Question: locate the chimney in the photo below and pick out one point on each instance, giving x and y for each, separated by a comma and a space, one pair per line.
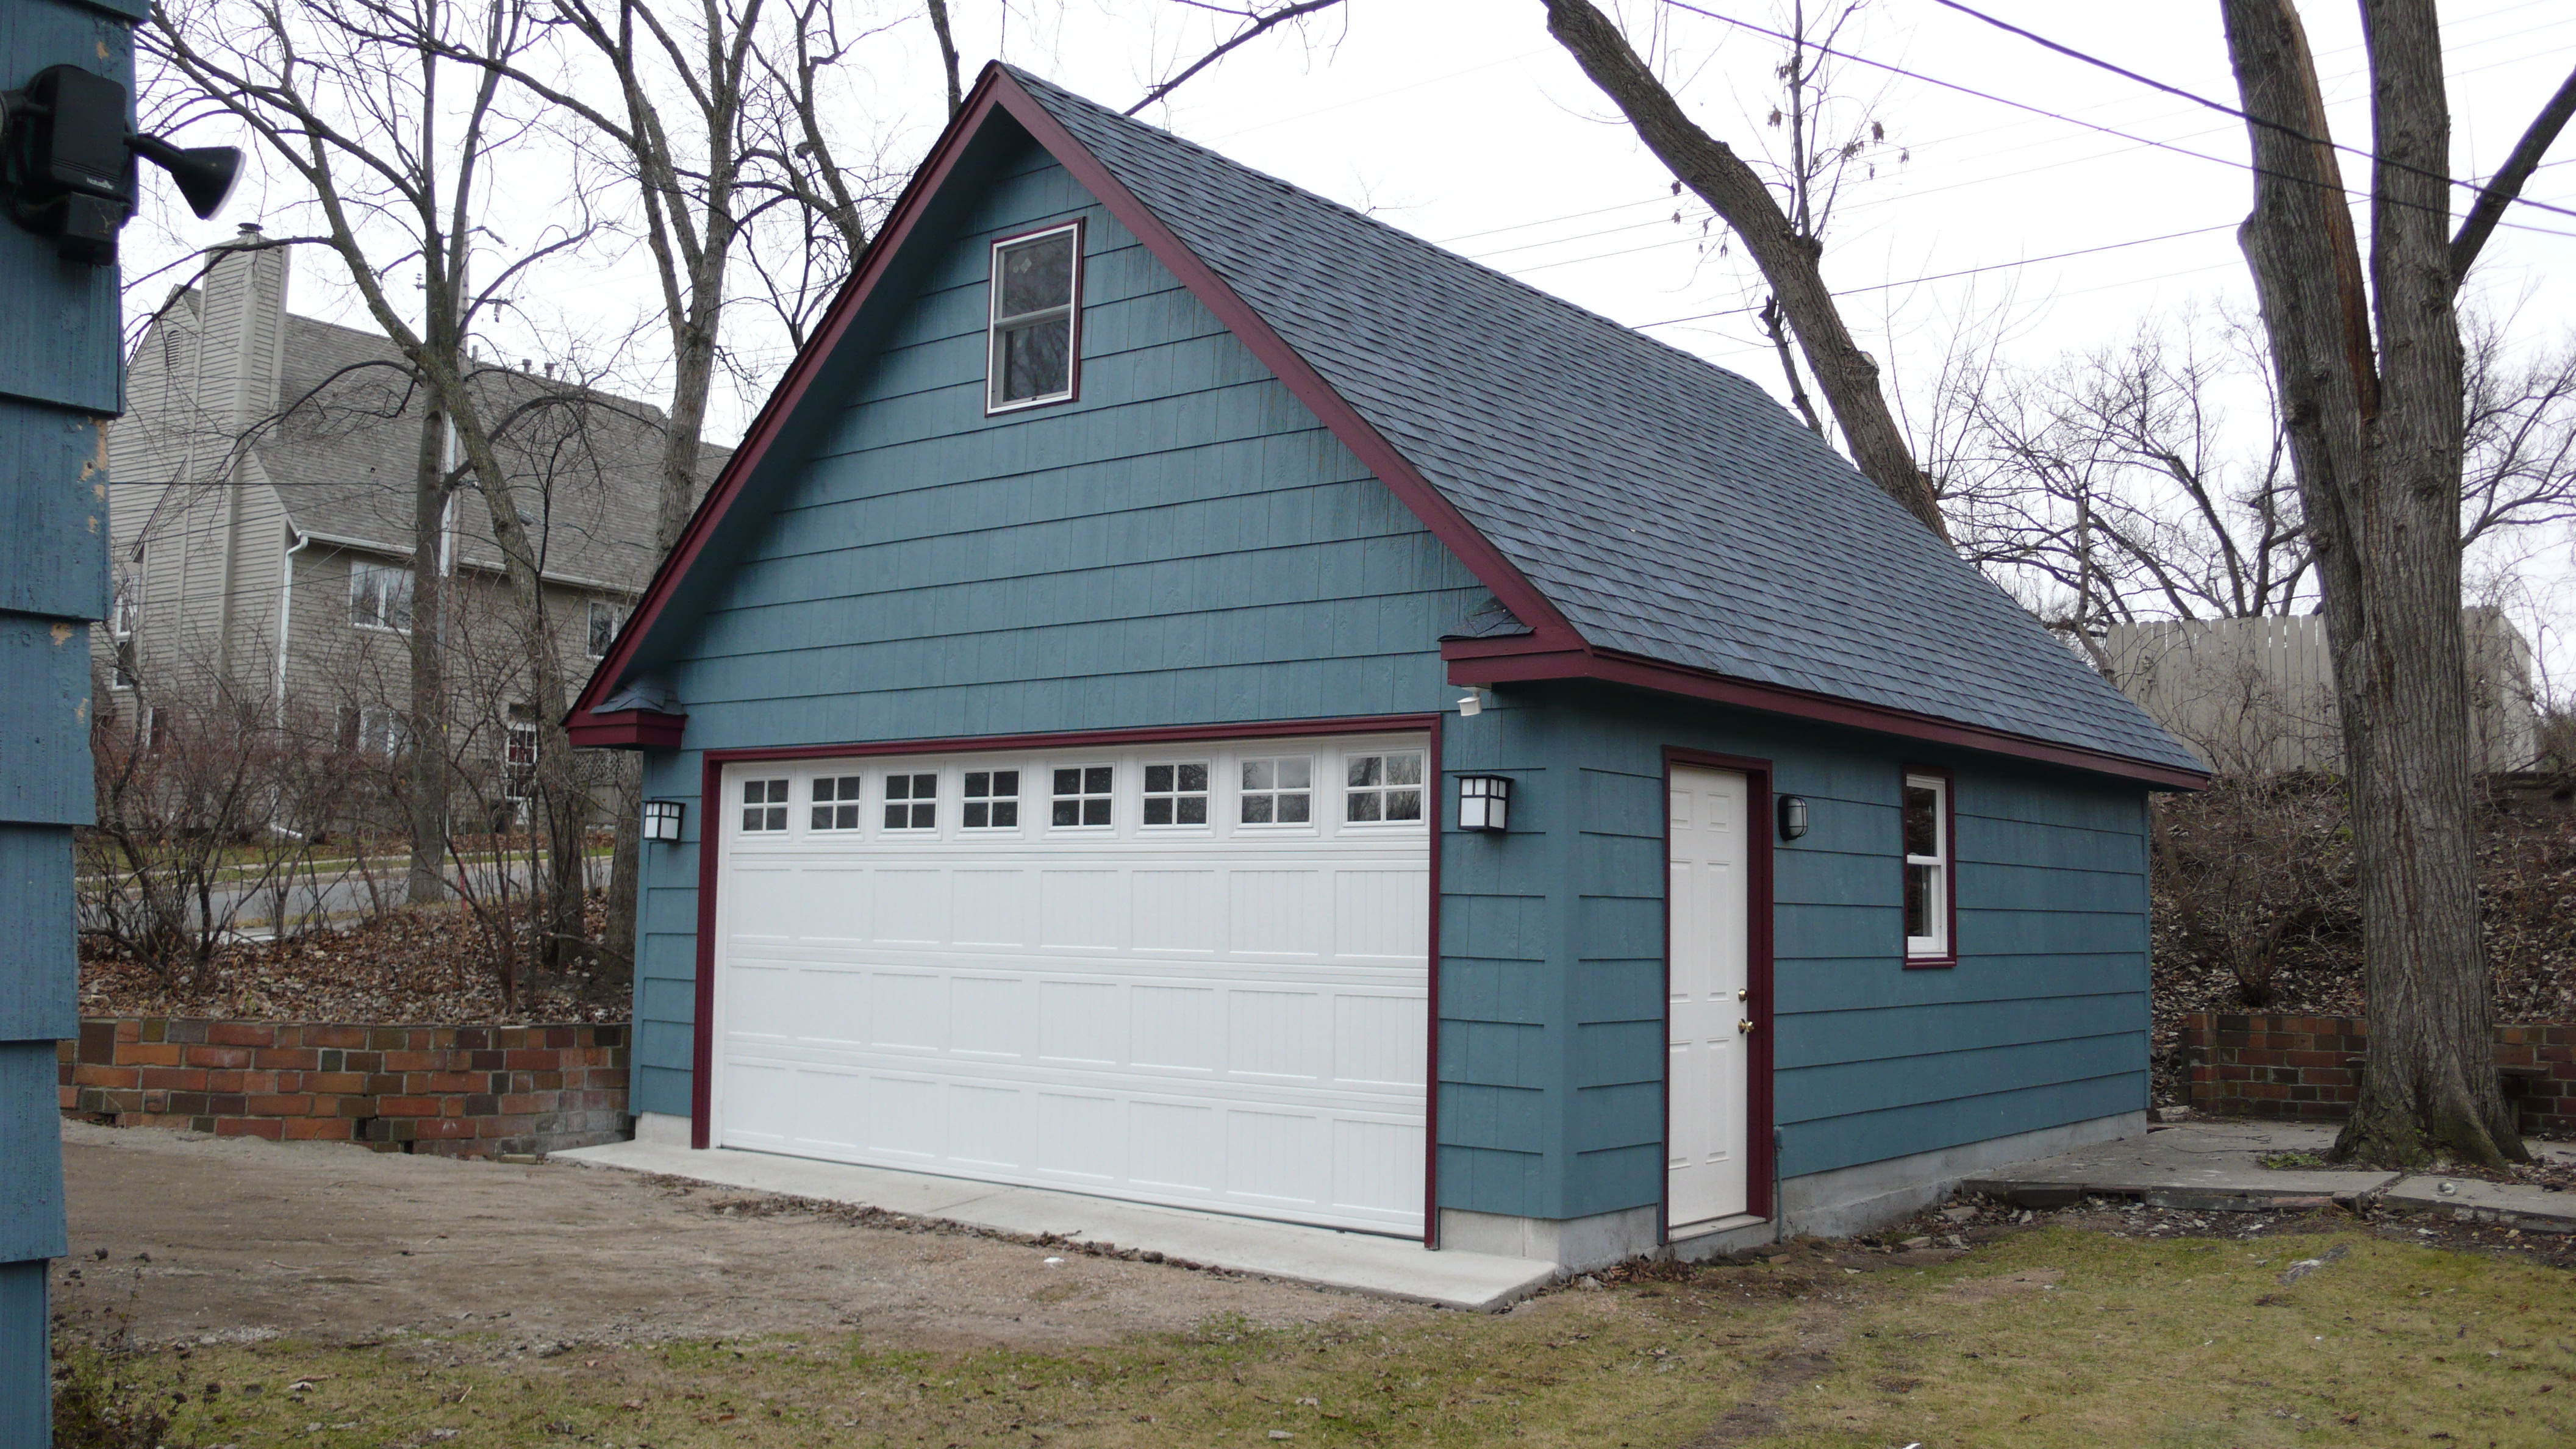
244, 338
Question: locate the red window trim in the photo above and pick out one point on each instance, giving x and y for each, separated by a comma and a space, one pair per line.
1948, 956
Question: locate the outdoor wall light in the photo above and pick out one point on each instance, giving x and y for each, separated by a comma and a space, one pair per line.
1485, 802
1793, 816
67, 162
662, 820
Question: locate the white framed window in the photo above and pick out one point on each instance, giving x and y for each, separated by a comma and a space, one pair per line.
1383, 788
836, 801
120, 632
379, 595
518, 757
605, 620
1176, 793
1277, 790
992, 800
1035, 326
1082, 795
764, 805
373, 729
912, 802
1926, 814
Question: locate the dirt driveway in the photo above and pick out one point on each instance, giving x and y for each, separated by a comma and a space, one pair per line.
237, 1239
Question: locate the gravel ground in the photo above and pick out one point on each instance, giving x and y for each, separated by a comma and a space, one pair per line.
181, 1237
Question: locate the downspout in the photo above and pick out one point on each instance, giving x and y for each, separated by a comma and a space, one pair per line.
286, 615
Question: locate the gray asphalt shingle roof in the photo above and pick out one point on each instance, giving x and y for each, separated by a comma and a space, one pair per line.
586, 466
1667, 507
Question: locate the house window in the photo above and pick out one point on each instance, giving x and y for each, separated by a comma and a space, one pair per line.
1278, 791
992, 799
836, 802
1384, 787
379, 595
1927, 867
605, 620
518, 757
1176, 794
1037, 291
912, 802
764, 805
372, 729
1082, 796
120, 633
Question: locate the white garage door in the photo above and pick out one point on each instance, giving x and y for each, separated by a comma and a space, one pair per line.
1188, 974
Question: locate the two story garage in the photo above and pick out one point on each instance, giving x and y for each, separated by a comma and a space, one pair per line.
1192, 695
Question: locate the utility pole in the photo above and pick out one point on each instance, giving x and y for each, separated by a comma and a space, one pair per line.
67, 67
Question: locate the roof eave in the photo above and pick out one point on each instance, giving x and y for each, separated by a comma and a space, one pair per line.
1519, 661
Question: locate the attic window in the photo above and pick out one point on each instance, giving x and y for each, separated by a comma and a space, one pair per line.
1037, 297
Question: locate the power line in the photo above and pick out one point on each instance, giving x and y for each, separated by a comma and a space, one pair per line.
2224, 109
1968, 271
2253, 167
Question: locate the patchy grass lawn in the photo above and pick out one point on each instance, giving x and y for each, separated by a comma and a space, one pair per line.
2049, 1336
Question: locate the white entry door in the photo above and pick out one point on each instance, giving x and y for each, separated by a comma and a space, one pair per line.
1193, 974
1711, 956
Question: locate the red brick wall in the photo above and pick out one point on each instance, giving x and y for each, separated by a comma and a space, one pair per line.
2308, 1068
463, 1091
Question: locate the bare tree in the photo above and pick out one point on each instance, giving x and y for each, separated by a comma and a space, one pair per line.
1790, 257
2370, 368
396, 170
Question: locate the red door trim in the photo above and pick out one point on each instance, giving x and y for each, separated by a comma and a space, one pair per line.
1758, 1107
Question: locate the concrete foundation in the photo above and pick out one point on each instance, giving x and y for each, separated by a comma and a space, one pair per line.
1574, 1244
662, 1129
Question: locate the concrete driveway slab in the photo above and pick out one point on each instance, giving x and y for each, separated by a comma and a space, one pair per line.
1391, 1267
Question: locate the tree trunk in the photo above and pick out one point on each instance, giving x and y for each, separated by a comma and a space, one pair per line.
617, 942
2376, 446
425, 803
1847, 376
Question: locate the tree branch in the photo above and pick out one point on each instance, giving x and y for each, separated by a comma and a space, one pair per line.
2507, 183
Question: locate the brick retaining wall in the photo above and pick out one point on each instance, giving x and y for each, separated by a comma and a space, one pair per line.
462, 1091
2307, 1067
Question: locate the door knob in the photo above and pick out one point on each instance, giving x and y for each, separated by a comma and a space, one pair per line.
1743, 993
1743, 1027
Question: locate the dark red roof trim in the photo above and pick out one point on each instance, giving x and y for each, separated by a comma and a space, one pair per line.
1484, 665
626, 729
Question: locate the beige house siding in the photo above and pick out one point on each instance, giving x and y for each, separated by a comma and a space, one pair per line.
2256, 696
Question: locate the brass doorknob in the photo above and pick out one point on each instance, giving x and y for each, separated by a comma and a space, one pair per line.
1743, 1027
1744, 993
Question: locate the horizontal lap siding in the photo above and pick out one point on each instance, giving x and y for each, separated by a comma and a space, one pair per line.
1184, 544
2043, 1021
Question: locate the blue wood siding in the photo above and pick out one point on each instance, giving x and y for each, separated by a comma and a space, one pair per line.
1184, 544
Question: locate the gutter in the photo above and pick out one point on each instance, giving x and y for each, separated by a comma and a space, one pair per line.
286, 612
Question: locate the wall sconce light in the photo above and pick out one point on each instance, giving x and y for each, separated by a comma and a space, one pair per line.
662, 820
1793, 816
68, 162
1484, 802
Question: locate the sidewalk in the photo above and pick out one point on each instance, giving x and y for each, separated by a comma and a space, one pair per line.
2217, 1166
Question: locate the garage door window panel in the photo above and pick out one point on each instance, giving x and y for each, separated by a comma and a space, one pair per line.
912, 801
1083, 797
764, 806
1176, 794
992, 800
836, 801
1277, 790
1383, 789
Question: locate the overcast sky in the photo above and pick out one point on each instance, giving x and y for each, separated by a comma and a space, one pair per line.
1463, 122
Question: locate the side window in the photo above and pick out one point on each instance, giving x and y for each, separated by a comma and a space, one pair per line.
912, 802
764, 805
1176, 794
1278, 791
605, 621
1384, 787
1081, 796
1037, 299
992, 799
836, 802
379, 595
1927, 866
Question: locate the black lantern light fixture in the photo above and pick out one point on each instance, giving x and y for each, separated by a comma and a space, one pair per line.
67, 162
662, 820
1793, 816
1485, 802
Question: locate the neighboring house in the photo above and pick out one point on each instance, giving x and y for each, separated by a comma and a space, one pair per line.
262, 516
2257, 695
1074, 685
